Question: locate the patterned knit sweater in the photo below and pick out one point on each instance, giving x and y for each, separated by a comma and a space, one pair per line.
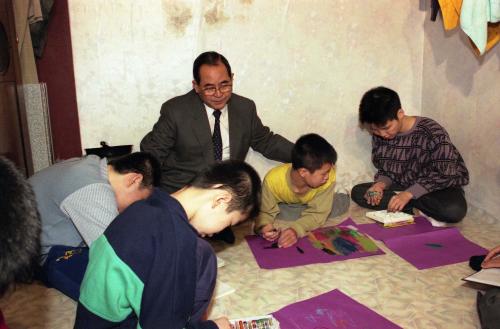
420, 160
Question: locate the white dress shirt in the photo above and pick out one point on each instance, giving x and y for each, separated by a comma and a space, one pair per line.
224, 128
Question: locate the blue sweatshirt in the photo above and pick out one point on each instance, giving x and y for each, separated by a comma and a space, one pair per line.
142, 272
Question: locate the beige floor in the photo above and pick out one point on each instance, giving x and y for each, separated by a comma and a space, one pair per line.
434, 298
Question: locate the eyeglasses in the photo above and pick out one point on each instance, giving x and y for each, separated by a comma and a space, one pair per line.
223, 88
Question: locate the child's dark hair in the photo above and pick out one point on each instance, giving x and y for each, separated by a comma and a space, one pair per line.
140, 163
239, 179
20, 227
312, 151
379, 105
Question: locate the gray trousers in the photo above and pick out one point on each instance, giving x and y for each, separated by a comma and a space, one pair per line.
293, 211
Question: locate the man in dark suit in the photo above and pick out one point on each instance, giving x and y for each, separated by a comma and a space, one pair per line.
211, 114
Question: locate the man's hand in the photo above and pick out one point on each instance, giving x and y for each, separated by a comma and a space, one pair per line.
375, 193
269, 232
223, 323
288, 238
492, 259
399, 201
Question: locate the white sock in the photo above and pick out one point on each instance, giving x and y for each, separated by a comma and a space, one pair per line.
431, 220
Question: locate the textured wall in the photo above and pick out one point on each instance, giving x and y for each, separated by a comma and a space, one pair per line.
462, 92
305, 63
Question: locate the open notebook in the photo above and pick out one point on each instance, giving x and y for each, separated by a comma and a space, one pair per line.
390, 219
489, 276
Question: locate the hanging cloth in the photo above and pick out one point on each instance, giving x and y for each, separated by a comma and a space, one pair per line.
479, 19
450, 10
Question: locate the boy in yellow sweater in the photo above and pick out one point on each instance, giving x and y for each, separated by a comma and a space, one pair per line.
308, 182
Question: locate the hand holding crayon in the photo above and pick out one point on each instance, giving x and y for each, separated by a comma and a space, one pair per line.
270, 233
374, 194
287, 238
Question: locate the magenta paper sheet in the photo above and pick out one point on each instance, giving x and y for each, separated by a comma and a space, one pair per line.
305, 254
433, 249
381, 233
328, 311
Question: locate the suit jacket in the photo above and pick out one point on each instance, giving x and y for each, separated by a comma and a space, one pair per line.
182, 139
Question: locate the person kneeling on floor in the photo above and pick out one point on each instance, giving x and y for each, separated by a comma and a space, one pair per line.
77, 199
151, 269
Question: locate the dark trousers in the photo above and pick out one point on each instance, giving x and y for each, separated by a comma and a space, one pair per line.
447, 205
64, 269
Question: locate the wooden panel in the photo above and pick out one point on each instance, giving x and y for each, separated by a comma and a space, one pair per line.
14, 141
11, 145
6, 49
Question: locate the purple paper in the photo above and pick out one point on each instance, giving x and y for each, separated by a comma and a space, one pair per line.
330, 310
381, 233
432, 249
273, 258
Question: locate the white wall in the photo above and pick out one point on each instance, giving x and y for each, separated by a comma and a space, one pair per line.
305, 63
462, 92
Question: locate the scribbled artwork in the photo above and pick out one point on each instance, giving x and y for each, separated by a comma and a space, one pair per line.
341, 241
436, 248
332, 310
324, 245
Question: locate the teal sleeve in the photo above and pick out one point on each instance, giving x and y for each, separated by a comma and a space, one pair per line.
110, 289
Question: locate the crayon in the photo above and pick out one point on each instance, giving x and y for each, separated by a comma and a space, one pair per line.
299, 249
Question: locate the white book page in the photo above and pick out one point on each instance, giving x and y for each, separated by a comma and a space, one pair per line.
386, 217
489, 276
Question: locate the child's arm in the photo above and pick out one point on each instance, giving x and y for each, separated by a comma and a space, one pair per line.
316, 213
268, 210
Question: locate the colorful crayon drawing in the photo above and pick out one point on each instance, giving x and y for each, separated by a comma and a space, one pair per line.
341, 240
324, 245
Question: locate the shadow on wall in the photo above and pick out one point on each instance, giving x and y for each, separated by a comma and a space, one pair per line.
453, 49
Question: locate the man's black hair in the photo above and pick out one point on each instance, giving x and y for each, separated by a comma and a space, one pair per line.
140, 163
379, 105
238, 178
19, 227
209, 58
311, 152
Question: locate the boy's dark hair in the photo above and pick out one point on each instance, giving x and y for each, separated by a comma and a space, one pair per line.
239, 179
140, 163
379, 105
19, 227
312, 151
209, 58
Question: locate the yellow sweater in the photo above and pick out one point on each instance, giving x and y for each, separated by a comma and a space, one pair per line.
277, 188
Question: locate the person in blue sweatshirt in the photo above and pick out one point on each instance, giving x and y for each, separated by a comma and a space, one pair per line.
151, 269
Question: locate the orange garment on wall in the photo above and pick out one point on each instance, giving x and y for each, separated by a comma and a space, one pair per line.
451, 11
